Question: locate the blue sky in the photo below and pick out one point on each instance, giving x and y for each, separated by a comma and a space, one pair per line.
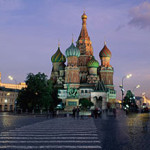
30, 29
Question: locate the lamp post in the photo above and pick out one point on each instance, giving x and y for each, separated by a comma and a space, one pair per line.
136, 87
6, 100
122, 86
11, 78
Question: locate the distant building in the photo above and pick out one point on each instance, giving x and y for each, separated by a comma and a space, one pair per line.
146, 101
8, 95
82, 76
140, 100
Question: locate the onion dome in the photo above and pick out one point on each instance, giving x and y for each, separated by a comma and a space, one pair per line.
84, 16
72, 51
93, 63
105, 52
58, 56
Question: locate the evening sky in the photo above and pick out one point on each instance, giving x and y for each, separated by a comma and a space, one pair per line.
30, 30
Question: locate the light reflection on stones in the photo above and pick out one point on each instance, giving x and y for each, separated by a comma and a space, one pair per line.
138, 128
138, 122
10, 121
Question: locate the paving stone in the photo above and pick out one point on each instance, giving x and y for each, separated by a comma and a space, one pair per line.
59, 133
124, 132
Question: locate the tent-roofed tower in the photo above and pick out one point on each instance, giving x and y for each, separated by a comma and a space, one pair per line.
86, 51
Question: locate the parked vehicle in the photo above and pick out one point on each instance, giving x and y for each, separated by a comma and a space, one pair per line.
60, 106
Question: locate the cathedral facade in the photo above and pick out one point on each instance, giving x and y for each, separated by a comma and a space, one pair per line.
82, 76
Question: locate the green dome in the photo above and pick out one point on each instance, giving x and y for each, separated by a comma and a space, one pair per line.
93, 63
72, 51
58, 57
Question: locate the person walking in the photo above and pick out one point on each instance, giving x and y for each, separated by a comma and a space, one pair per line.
57, 113
99, 112
77, 110
96, 113
114, 112
74, 112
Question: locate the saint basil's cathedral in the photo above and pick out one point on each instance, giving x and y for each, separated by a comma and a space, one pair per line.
82, 76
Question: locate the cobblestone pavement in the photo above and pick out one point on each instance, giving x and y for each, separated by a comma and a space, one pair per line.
123, 132
131, 132
59, 133
10, 121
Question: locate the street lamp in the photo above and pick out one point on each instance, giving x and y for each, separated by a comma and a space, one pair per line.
138, 86
11, 78
121, 86
129, 75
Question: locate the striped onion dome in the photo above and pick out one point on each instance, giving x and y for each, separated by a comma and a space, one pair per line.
58, 57
105, 52
93, 63
72, 51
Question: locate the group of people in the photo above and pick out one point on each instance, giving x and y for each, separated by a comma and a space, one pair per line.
96, 113
75, 112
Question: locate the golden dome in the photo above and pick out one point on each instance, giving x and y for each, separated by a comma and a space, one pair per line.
84, 16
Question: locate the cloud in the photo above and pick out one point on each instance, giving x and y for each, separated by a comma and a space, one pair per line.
140, 16
120, 27
10, 5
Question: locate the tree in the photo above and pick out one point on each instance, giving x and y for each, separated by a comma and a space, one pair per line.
129, 101
85, 103
39, 94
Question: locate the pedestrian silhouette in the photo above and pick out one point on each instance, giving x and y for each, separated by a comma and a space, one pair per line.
96, 113
74, 112
77, 110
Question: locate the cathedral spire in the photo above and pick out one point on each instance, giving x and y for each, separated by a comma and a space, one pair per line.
72, 38
59, 43
84, 17
84, 34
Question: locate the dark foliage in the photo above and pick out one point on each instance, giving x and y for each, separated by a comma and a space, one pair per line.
129, 102
85, 103
39, 94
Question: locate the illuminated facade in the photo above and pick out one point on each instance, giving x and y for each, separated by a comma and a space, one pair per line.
82, 76
8, 95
